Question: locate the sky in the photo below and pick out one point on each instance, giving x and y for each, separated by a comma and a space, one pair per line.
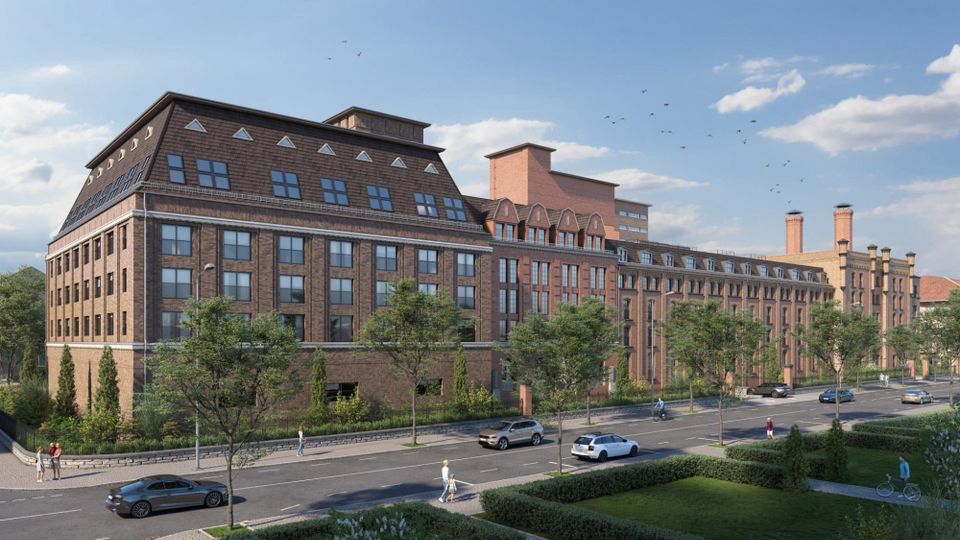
722, 115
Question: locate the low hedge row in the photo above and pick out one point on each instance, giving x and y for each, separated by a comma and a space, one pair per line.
817, 465
922, 421
870, 427
422, 521
544, 506
882, 441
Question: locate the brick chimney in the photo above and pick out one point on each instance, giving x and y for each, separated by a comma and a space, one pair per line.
378, 123
794, 222
843, 226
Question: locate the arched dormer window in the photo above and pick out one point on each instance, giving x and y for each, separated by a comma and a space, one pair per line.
728, 267
764, 271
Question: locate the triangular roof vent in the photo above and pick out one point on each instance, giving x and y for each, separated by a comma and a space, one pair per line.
431, 168
286, 142
398, 163
195, 125
243, 135
326, 149
364, 156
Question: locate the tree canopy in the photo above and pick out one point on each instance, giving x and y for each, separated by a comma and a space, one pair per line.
22, 315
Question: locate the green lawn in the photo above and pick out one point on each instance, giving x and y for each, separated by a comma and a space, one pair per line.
718, 509
868, 467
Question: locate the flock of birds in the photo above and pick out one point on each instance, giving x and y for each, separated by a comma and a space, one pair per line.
777, 189
343, 43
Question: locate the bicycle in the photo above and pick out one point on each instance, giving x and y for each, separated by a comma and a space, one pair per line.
910, 491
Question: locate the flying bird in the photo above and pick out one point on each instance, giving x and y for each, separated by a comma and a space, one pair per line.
739, 131
359, 53
651, 114
801, 180
683, 147
753, 121
666, 104
744, 141
344, 41
785, 163
329, 58
709, 135
644, 91
767, 165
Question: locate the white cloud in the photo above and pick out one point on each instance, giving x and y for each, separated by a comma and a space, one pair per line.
58, 70
18, 111
684, 225
861, 123
643, 181
721, 67
769, 68
851, 71
466, 144
751, 97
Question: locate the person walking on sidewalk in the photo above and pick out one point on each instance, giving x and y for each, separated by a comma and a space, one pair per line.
56, 461
445, 477
769, 428
453, 489
302, 440
40, 469
904, 474
50, 451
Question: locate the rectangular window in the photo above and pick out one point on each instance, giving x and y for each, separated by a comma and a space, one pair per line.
426, 204
97, 287
295, 322
503, 270
465, 298
341, 291
291, 250
86, 253
384, 289
66, 261
76, 326
86, 325
109, 324
544, 273
503, 330
334, 192
97, 249
212, 174
574, 279
175, 283
544, 302
123, 237
535, 301
60, 297
508, 232
123, 280
291, 289
513, 301
343, 390
429, 288
110, 237
175, 165
171, 325
341, 254
379, 197
76, 257
387, 258
97, 325
467, 331
175, 240
541, 236
110, 281
236, 245
76, 292
466, 265
123, 323
498, 231
285, 184
512, 270
427, 261
454, 209
503, 301
534, 273
237, 285
341, 328
564, 271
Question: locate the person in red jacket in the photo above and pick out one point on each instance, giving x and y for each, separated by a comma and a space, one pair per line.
769, 428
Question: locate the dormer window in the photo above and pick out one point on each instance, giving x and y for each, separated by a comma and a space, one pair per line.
746, 268
668, 259
728, 267
426, 204
454, 208
504, 231
399, 164
689, 263
622, 254
364, 156
431, 168
326, 150
794, 274
711, 264
286, 142
646, 257
808, 275
764, 271
778, 272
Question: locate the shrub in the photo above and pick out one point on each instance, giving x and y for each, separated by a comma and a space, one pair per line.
879, 525
870, 427
170, 430
943, 453
151, 410
99, 427
352, 409
318, 388
794, 462
128, 430
32, 405
836, 453
66, 388
746, 452
7, 397
879, 441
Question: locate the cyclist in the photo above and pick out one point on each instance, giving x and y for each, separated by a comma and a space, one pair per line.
904, 474
660, 408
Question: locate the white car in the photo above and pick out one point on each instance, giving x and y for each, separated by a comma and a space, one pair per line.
600, 446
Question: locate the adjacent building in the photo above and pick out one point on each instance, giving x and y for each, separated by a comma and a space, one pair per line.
935, 290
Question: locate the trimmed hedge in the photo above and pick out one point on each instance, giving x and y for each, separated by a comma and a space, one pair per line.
881, 441
923, 421
543, 506
421, 518
817, 466
870, 427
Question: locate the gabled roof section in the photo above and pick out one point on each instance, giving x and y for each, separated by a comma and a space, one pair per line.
935, 289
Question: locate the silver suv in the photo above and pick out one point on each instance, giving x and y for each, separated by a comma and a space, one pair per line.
507, 432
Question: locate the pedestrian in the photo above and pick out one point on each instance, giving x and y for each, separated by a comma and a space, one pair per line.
904, 474
56, 462
445, 477
50, 451
302, 440
769, 428
40, 464
453, 489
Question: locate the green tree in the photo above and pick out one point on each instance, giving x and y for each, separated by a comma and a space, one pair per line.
938, 336
414, 332
233, 373
836, 453
622, 380
22, 315
839, 339
32, 404
107, 396
942, 455
28, 368
795, 466
688, 339
561, 356
772, 372
319, 408
66, 387
902, 345
462, 386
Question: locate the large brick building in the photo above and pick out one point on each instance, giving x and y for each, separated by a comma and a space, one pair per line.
313, 220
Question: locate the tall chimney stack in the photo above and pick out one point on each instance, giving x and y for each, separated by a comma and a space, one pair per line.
843, 225
794, 222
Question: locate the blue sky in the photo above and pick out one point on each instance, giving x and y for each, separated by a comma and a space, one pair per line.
863, 102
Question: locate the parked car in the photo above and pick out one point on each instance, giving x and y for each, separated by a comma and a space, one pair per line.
771, 389
916, 395
830, 396
509, 432
151, 494
600, 446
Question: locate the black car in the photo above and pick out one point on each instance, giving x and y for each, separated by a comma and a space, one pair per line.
771, 389
830, 396
164, 492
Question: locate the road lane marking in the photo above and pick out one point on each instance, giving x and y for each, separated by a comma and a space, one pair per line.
3, 502
462, 482
18, 500
410, 453
335, 493
488, 470
664, 442
289, 508
389, 485
104, 538
37, 497
528, 464
57, 495
40, 515
319, 464
216, 476
268, 470
367, 458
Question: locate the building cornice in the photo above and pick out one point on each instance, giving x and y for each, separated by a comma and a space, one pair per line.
722, 275
550, 248
105, 227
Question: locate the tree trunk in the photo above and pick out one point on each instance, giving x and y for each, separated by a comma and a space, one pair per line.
588, 409
953, 369
230, 454
560, 441
836, 395
413, 415
903, 368
691, 394
721, 415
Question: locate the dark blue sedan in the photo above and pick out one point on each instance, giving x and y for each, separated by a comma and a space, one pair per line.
150, 494
830, 396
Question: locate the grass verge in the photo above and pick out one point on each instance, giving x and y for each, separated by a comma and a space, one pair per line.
867, 466
221, 531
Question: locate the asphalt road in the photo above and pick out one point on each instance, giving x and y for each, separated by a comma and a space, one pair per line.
315, 484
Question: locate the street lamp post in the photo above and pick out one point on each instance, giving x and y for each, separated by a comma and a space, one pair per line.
196, 409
